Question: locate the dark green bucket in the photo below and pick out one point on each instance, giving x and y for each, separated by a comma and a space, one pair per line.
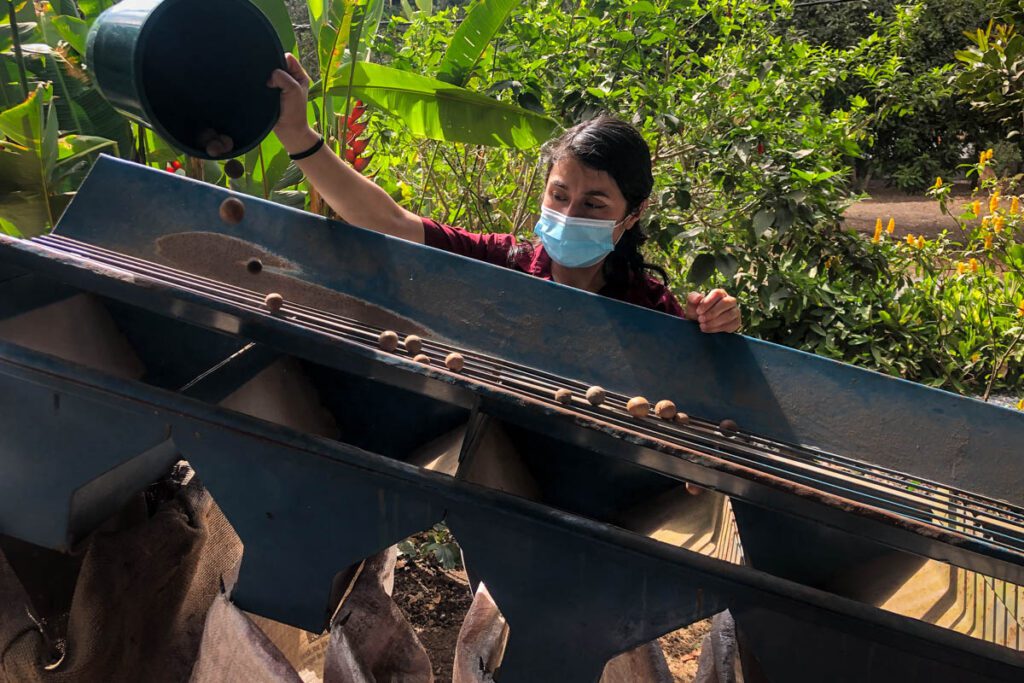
188, 67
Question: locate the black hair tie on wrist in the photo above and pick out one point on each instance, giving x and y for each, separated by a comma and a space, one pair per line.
309, 152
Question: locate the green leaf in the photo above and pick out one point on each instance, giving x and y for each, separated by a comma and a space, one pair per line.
642, 7
49, 143
277, 13
72, 148
7, 36
472, 38
73, 30
92, 8
369, 25
703, 268
26, 211
441, 111
763, 220
8, 228
24, 122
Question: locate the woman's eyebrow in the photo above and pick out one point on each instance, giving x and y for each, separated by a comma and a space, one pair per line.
590, 193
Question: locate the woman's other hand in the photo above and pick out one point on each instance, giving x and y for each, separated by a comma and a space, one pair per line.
292, 128
715, 311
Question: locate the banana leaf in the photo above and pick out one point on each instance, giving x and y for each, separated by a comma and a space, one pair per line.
92, 8
277, 13
440, 111
8, 228
80, 106
7, 36
73, 30
23, 123
471, 39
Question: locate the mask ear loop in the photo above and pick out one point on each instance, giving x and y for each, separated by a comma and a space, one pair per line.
634, 214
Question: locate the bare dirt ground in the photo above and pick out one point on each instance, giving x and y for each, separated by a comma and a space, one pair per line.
915, 214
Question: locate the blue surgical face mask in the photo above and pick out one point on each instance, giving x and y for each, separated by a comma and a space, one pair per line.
575, 242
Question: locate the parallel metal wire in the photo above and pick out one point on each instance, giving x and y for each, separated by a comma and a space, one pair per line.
918, 499
995, 523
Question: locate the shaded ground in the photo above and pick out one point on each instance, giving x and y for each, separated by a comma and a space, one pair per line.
436, 601
913, 214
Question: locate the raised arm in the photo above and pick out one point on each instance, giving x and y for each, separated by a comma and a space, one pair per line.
356, 198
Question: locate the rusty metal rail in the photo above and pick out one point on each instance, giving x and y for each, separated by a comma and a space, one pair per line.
994, 523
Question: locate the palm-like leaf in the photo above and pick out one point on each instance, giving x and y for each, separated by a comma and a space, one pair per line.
441, 111
471, 39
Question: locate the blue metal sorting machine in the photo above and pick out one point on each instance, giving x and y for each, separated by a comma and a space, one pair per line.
126, 333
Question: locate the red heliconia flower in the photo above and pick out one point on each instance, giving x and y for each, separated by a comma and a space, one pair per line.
354, 130
358, 109
350, 155
760, 148
358, 146
176, 164
361, 163
170, 168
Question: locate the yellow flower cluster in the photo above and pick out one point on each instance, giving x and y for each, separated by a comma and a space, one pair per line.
1020, 404
988, 240
993, 202
1014, 206
1020, 308
889, 228
976, 207
985, 157
918, 241
998, 224
938, 183
974, 265
961, 268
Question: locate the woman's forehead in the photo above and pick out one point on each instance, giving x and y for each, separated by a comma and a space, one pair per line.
576, 177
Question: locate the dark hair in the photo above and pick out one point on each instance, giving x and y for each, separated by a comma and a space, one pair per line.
610, 144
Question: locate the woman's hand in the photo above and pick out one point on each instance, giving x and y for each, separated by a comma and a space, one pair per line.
292, 128
716, 311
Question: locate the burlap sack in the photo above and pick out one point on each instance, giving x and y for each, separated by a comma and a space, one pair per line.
147, 580
371, 640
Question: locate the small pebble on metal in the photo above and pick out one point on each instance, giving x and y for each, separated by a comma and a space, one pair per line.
422, 358
666, 410
596, 395
388, 341
413, 344
563, 396
274, 302
455, 362
232, 211
638, 406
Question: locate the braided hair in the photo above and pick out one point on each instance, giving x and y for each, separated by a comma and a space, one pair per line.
609, 144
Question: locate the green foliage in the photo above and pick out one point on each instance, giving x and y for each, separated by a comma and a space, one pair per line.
436, 110
923, 128
993, 77
437, 543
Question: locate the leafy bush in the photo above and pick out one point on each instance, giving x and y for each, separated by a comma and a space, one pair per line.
924, 128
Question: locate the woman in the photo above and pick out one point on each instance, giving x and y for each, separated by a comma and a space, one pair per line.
598, 185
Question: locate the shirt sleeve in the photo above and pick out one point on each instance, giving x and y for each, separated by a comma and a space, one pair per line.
492, 247
660, 298
669, 304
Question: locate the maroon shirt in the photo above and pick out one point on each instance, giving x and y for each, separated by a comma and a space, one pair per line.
505, 250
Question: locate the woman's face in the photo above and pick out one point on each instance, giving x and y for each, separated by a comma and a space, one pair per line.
579, 191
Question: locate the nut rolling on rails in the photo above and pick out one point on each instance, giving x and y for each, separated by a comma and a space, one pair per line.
846, 519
